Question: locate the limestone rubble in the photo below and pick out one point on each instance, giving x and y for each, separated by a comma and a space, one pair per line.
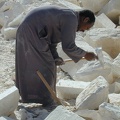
92, 90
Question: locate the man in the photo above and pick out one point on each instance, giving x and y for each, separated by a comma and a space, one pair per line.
36, 42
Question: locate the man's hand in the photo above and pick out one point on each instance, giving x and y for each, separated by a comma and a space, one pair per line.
90, 56
59, 61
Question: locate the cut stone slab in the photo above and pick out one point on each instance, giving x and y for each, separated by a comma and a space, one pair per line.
104, 22
25, 2
94, 5
88, 114
112, 10
61, 113
76, 2
116, 66
114, 99
70, 5
9, 101
108, 111
9, 33
5, 118
17, 20
93, 95
92, 69
69, 89
108, 39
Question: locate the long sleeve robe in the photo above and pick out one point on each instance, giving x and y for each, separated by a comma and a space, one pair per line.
36, 41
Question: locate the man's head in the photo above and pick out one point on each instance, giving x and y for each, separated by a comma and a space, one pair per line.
86, 20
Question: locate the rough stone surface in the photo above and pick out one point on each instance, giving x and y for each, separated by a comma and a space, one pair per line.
94, 5
88, 114
112, 10
9, 101
109, 112
102, 21
61, 113
108, 39
5, 118
114, 88
69, 89
114, 99
96, 91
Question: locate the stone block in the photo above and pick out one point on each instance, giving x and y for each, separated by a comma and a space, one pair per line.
25, 2
9, 33
69, 89
94, 5
9, 101
108, 39
88, 114
108, 111
5, 118
104, 22
70, 5
112, 10
116, 67
61, 113
93, 69
93, 95
114, 99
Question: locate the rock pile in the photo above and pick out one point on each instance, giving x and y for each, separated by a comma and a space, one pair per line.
92, 90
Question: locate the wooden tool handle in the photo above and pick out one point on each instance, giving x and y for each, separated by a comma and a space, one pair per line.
49, 88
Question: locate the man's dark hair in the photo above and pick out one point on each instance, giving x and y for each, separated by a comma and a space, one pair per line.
87, 13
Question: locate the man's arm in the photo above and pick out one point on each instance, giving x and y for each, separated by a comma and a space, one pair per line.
69, 24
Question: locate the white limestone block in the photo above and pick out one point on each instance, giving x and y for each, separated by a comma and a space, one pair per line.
112, 10
104, 22
25, 2
93, 69
5, 118
108, 39
114, 99
116, 66
70, 5
69, 89
94, 5
109, 112
93, 95
88, 114
9, 33
61, 113
76, 2
17, 20
9, 101
7, 5
114, 88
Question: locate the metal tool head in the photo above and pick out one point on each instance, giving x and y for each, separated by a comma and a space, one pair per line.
100, 55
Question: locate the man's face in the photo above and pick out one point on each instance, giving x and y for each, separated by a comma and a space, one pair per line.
86, 26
